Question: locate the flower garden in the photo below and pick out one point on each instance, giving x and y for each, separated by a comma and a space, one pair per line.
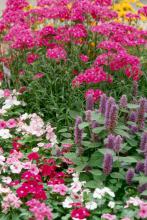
73, 110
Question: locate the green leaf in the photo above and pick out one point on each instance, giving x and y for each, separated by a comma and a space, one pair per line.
131, 123
69, 141
98, 130
66, 217
117, 175
133, 106
62, 130
122, 133
83, 125
80, 167
96, 172
66, 135
128, 159
89, 144
141, 179
74, 114
122, 127
106, 150
132, 142
144, 193
93, 184
98, 117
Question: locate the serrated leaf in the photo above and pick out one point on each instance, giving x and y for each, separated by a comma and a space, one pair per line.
74, 114
96, 172
132, 106
106, 150
117, 175
98, 117
62, 130
92, 184
83, 125
89, 144
122, 127
128, 159
98, 130
66, 135
122, 133
144, 193
132, 142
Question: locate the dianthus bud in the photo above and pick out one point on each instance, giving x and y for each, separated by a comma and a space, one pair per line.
123, 101
89, 102
129, 176
107, 163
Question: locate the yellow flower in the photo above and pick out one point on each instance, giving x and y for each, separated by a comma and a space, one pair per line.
69, 6
28, 8
93, 23
92, 44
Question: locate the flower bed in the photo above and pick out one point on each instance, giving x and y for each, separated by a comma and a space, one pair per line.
59, 159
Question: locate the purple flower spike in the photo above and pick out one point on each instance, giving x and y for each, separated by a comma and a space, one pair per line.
89, 102
141, 113
142, 188
143, 141
123, 101
129, 176
103, 101
78, 133
107, 164
139, 167
118, 143
133, 116
88, 116
135, 89
145, 167
113, 118
94, 137
109, 112
109, 141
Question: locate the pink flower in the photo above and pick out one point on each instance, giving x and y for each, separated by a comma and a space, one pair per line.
34, 169
11, 123
96, 93
7, 93
39, 210
33, 156
2, 124
67, 145
126, 218
109, 216
38, 76
60, 188
57, 53
143, 210
31, 58
84, 58
80, 213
